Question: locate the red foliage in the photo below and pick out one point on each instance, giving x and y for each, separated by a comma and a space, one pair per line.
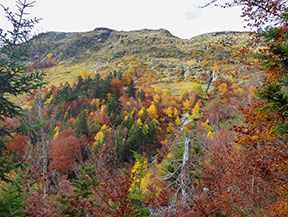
116, 84
217, 112
18, 145
41, 65
65, 150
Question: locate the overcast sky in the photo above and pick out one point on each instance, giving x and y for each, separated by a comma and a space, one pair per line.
180, 17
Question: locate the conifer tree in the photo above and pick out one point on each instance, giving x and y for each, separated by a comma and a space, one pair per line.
81, 125
14, 80
131, 91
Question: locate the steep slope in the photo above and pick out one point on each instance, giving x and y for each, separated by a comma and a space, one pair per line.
139, 52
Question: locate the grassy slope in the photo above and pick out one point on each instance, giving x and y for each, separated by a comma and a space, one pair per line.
153, 56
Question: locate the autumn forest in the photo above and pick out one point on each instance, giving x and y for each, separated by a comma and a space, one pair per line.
142, 123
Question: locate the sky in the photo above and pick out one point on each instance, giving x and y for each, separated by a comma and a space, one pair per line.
181, 17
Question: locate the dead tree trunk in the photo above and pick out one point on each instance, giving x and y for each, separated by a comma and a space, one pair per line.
185, 178
39, 105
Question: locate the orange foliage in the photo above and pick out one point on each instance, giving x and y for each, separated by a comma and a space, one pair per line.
64, 151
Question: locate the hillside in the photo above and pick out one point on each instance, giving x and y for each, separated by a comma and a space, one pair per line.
143, 52
143, 123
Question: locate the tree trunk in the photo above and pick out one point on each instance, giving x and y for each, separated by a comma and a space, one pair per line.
185, 178
39, 104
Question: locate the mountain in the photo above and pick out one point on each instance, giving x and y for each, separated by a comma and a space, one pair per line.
143, 52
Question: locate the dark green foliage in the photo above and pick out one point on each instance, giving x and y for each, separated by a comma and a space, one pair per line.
11, 201
96, 88
275, 94
119, 119
95, 128
59, 113
131, 91
114, 105
67, 115
84, 184
142, 95
14, 80
279, 48
152, 130
66, 94
135, 139
81, 125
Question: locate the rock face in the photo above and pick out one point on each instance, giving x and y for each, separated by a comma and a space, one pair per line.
159, 49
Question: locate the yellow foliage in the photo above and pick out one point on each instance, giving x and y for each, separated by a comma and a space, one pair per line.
99, 138
104, 128
48, 90
48, 101
146, 181
184, 92
234, 53
96, 102
194, 53
145, 129
133, 112
103, 108
168, 112
139, 122
128, 103
216, 67
156, 98
169, 155
170, 128
223, 88
157, 90
176, 112
50, 55
251, 92
152, 112
131, 70
84, 74
140, 171
56, 132
141, 112
178, 121
186, 105
204, 63
210, 135
237, 89
166, 93
195, 111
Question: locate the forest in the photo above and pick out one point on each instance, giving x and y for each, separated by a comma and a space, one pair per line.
121, 143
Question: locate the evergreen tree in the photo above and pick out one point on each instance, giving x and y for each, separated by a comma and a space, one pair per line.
135, 139
14, 80
67, 115
131, 91
59, 113
81, 125
142, 95
114, 105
